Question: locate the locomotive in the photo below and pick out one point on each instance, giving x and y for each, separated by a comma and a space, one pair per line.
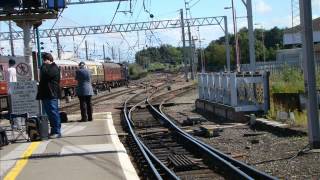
105, 75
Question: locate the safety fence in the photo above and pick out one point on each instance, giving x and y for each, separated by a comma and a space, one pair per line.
245, 92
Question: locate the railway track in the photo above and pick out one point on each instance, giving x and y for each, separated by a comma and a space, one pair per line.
72, 106
164, 151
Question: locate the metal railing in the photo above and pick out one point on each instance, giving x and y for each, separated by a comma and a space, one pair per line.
242, 91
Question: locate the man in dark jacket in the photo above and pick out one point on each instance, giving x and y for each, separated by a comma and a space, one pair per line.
84, 92
49, 93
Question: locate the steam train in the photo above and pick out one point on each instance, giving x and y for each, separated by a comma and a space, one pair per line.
104, 76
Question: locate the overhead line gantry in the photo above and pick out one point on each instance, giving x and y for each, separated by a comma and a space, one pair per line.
115, 28
75, 2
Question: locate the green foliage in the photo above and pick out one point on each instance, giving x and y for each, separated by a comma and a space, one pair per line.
290, 80
267, 42
215, 54
156, 67
136, 71
163, 54
273, 38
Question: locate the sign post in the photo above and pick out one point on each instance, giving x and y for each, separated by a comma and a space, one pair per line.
23, 95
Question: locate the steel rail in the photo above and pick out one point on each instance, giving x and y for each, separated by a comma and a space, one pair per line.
239, 169
147, 154
225, 165
242, 166
151, 167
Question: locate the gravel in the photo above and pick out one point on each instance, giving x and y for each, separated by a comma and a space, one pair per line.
286, 157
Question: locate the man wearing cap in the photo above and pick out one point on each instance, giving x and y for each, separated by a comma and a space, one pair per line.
84, 92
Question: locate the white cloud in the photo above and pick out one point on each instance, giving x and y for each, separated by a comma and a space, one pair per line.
262, 7
282, 22
316, 8
316, 3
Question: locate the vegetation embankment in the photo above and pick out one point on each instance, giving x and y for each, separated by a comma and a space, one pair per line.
289, 80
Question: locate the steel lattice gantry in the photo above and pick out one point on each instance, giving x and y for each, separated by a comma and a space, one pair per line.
74, 2
114, 28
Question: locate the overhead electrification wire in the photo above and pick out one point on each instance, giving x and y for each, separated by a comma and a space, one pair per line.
114, 15
194, 3
55, 22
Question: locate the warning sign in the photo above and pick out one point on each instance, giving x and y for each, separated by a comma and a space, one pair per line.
23, 98
23, 71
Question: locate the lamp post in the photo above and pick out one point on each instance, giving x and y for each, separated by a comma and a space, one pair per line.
235, 29
262, 36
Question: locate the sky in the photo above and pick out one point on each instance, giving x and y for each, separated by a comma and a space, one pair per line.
266, 14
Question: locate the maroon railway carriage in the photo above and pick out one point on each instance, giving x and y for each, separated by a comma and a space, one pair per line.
67, 76
104, 76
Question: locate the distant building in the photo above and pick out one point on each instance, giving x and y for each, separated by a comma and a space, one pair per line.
292, 36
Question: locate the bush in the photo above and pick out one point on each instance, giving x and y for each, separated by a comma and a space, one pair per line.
290, 80
156, 67
136, 71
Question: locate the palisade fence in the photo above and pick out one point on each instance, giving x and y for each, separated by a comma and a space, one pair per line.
244, 92
295, 62
275, 67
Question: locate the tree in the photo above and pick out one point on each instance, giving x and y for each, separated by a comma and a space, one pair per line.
215, 55
163, 54
273, 37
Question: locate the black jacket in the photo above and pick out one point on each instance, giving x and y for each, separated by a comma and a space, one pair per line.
49, 82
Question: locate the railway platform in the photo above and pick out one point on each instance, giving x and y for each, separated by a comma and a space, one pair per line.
87, 150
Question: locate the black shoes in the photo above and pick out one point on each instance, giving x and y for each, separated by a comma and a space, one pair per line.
85, 120
54, 136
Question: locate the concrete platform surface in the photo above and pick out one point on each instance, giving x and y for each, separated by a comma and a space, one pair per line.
87, 150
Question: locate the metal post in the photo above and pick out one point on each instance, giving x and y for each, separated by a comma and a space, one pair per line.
251, 36
190, 55
58, 46
194, 57
119, 54
184, 59
104, 53
26, 27
112, 54
227, 42
86, 46
39, 65
264, 48
39, 48
11, 38
203, 70
309, 73
235, 29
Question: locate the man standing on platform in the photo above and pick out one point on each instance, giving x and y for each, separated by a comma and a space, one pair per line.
84, 92
49, 93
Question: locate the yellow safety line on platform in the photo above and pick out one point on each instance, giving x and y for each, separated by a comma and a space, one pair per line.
20, 164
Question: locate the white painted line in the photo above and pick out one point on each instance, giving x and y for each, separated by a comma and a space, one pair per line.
9, 160
126, 165
71, 128
42, 147
93, 148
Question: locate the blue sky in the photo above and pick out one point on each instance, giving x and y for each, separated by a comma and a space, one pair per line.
267, 13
